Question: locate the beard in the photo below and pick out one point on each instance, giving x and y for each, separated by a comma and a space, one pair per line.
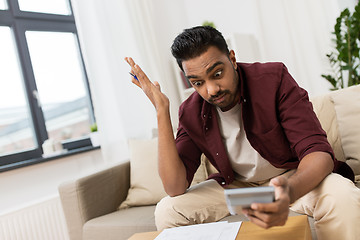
220, 93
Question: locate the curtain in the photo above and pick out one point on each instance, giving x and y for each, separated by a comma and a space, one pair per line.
110, 30
299, 34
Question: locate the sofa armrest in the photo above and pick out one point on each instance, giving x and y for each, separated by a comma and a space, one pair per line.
94, 195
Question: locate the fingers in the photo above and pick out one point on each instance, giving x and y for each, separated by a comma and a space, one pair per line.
132, 64
134, 67
282, 189
266, 207
157, 85
130, 61
266, 219
269, 214
267, 222
136, 70
152, 90
136, 82
139, 73
278, 181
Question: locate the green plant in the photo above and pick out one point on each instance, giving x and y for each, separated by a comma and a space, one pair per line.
93, 127
345, 60
207, 23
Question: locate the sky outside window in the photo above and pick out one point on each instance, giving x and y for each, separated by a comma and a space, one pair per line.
3, 5
56, 64
45, 6
60, 82
16, 132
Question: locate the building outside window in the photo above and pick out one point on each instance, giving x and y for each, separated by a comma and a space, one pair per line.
44, 92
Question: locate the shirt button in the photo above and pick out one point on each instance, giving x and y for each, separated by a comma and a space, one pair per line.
223, 183
204, 115
228, 177
244, 100
217, 154
206, 129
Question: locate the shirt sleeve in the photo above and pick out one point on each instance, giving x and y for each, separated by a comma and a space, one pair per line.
299, 121
188, 152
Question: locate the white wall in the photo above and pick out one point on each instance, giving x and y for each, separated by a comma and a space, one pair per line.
26, 186
296, 32
229, 16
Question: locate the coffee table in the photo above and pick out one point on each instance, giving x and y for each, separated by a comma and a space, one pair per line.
296, 228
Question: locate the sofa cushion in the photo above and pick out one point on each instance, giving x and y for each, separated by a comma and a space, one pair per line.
347, 107
120, 225
145, 184
325, 111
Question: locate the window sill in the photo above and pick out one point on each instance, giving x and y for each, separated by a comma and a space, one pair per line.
45, 159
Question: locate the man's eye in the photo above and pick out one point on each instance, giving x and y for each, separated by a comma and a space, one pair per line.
218, 73
197, 83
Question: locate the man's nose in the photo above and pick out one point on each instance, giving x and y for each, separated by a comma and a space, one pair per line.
212, 88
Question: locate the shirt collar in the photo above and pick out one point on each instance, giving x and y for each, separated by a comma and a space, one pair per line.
241, 82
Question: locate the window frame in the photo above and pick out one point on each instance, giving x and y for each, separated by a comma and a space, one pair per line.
20, 22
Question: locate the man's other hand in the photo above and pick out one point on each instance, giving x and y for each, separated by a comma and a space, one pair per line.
268, 215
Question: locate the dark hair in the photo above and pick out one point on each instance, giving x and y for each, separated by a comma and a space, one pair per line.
194, 41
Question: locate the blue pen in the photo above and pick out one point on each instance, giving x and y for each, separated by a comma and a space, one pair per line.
134, 76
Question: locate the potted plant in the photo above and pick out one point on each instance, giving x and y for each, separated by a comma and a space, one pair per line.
209, 23
94, 135
344, 59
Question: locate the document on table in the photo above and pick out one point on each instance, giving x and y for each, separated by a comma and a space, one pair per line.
207, 231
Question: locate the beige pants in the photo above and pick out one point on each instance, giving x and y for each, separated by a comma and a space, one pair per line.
334, 204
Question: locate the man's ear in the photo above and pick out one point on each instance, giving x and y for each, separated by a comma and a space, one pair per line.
232, 58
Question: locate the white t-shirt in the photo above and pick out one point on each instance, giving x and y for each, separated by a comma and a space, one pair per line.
246, 162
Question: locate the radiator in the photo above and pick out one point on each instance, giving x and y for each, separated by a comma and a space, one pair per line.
42, 221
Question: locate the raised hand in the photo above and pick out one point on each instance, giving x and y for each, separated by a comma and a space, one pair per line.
152, 90
171, 169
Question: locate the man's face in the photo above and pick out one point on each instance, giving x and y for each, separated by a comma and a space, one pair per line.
213, 75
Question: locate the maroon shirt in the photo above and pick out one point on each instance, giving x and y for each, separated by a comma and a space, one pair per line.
279, 123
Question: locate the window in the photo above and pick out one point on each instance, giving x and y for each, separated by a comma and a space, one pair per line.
14, 109
44, 90
61, 7
3, 5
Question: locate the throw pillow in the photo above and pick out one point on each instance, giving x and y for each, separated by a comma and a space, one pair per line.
145, 184
347, 107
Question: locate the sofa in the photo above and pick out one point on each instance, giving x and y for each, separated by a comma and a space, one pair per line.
118, 201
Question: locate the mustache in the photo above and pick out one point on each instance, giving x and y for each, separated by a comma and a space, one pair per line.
218, 94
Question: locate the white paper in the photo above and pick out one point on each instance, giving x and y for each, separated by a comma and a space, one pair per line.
207, 231
231, 231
